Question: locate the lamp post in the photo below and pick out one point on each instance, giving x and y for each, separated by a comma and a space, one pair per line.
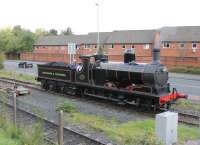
98, 39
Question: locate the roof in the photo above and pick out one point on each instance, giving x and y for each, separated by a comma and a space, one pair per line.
132, 36
61, 40
180, 34
128, 36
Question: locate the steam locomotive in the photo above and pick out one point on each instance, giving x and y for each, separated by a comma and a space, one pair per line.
126, 83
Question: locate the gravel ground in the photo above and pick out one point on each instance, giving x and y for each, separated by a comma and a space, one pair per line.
48, 102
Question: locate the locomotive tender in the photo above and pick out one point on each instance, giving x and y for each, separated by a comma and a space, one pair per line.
126, 83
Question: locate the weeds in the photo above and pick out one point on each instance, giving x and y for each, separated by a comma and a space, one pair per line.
186, 105
18, 76
23, 135
129, 133
66, 106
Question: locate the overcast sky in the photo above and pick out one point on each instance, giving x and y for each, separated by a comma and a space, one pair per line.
81, 15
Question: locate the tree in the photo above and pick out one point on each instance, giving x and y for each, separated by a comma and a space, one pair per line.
16, 40
53, 32
2, 58
68, 31
40, 32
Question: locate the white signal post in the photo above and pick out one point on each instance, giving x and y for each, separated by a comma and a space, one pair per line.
71, 51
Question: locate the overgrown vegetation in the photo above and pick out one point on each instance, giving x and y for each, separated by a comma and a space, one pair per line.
2, 58
128, 133
66, 106
189, 69
184, 104
23, 135
18, 76
11, 135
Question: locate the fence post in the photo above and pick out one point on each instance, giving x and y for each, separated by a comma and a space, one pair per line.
60, 130
14, 109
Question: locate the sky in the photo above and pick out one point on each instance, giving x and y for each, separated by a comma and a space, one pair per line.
81, 15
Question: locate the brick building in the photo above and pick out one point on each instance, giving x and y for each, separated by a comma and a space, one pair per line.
179, 45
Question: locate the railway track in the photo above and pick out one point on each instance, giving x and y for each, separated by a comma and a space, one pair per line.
71, 137
186, 117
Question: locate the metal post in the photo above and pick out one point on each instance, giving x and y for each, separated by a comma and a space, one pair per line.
98, 39
60, 130
14, 109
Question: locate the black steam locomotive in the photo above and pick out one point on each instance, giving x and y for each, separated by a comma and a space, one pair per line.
126, 83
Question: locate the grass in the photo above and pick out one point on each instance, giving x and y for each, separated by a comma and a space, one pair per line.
128, 133
11, 135
189, 69
66, 106
23, 135
18, 76
186, 105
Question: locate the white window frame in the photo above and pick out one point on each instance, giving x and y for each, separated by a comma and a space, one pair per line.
194, 48
123, 46
146, 46
112, 46
166, 46
181, 46
87, 46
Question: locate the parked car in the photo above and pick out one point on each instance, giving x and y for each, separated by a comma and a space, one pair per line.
25, 64
20, 90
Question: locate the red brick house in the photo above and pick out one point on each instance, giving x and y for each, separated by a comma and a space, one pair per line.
179, 45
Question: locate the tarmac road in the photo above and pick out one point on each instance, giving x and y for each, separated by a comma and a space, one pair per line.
185, 83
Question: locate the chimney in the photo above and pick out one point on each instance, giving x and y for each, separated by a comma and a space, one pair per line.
156, 49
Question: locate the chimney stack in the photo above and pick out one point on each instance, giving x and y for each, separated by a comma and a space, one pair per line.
156, 49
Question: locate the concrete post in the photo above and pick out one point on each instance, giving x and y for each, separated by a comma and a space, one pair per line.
60, 129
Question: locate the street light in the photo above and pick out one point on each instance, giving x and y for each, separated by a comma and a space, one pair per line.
98, 43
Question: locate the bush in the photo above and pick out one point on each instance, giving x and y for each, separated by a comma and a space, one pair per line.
68, 107
2, 58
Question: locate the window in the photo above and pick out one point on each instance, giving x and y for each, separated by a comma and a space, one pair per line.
194, 45
182, 45
77, 46
123, 46
146, 46
87, 45
166, 45
112, 46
